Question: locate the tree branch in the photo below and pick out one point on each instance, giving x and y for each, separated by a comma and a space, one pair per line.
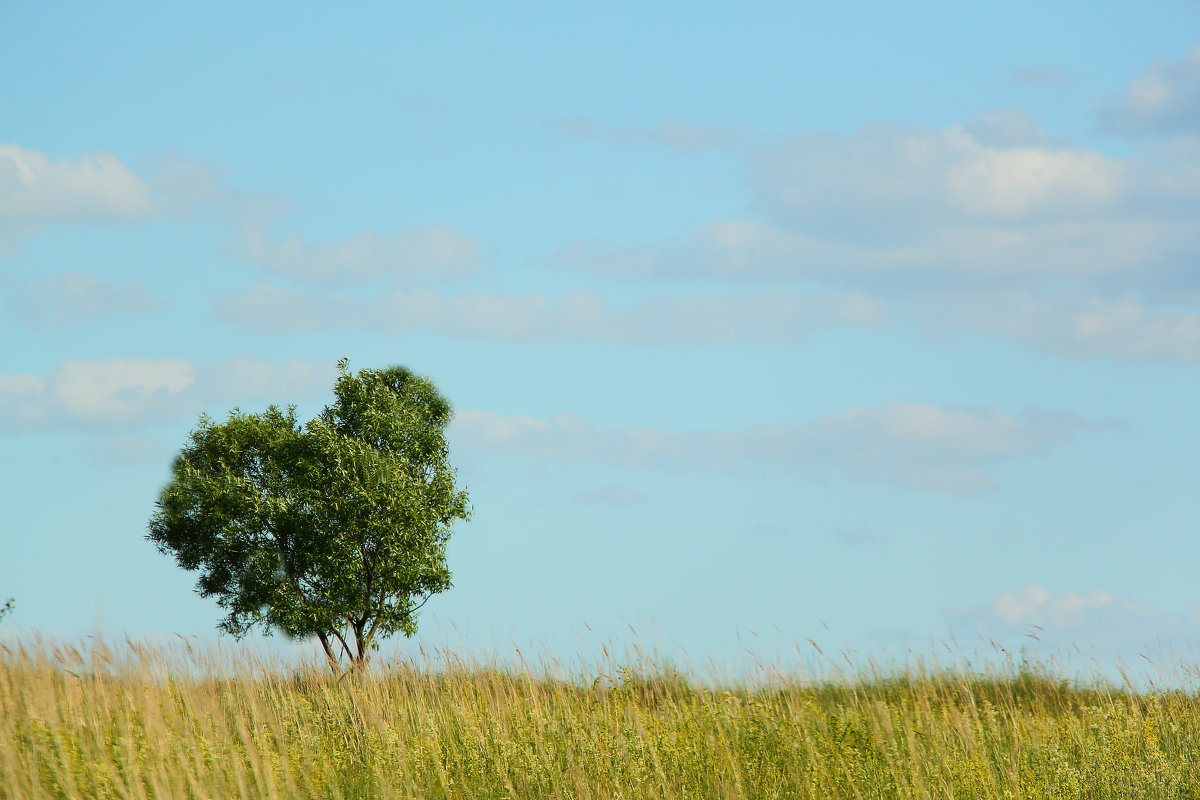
345, 646
329, 655
423, 602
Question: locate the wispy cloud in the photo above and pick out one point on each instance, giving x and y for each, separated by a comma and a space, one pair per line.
1093, 619
1164, 100
37, 190
128, 393
996, 200
424, 251
992, 227
97, 187
1073, 324
75, 298
1121, 253
887, 182
908, 444
189, 189
578, 316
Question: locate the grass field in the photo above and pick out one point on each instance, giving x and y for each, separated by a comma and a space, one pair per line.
157, 722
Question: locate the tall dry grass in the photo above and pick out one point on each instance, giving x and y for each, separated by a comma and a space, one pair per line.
161, 722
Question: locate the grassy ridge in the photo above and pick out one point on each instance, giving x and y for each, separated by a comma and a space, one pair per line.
119, 725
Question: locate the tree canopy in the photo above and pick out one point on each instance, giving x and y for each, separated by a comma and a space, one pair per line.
335, 529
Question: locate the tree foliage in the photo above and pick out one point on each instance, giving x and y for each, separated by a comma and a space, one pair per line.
7, 608
335, 529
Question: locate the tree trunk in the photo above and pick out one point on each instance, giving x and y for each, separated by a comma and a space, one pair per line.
361, 643
329, 655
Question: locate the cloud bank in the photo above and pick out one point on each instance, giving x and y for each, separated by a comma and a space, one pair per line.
911, 445
895, 208
1094, 620
37, 191
579, 316
1072, 324
993, 227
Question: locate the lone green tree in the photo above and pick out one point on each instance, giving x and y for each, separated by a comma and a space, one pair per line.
335, 529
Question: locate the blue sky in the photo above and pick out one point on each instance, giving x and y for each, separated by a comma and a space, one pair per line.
870, 324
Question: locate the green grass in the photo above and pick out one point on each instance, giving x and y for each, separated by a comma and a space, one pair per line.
153, 722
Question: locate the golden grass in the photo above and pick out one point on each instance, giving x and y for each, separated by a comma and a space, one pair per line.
156, 722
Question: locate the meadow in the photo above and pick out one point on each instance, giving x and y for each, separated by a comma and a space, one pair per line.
142, 721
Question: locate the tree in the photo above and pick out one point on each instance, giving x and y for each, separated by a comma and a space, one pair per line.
336, 529
7, 608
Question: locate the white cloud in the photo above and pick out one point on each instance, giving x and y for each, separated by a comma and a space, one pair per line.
893, 219
907, 444
996, 200
1094, 620
1035, 605
421, 251
670, 134
890, 180
1016, 182
77, 297
1115, 324
1071, 324
95, 188
36, 191
117, 393
578, 316
993, 199
1009, 128
991, 227
1030, 255
193, 189
1163, 100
